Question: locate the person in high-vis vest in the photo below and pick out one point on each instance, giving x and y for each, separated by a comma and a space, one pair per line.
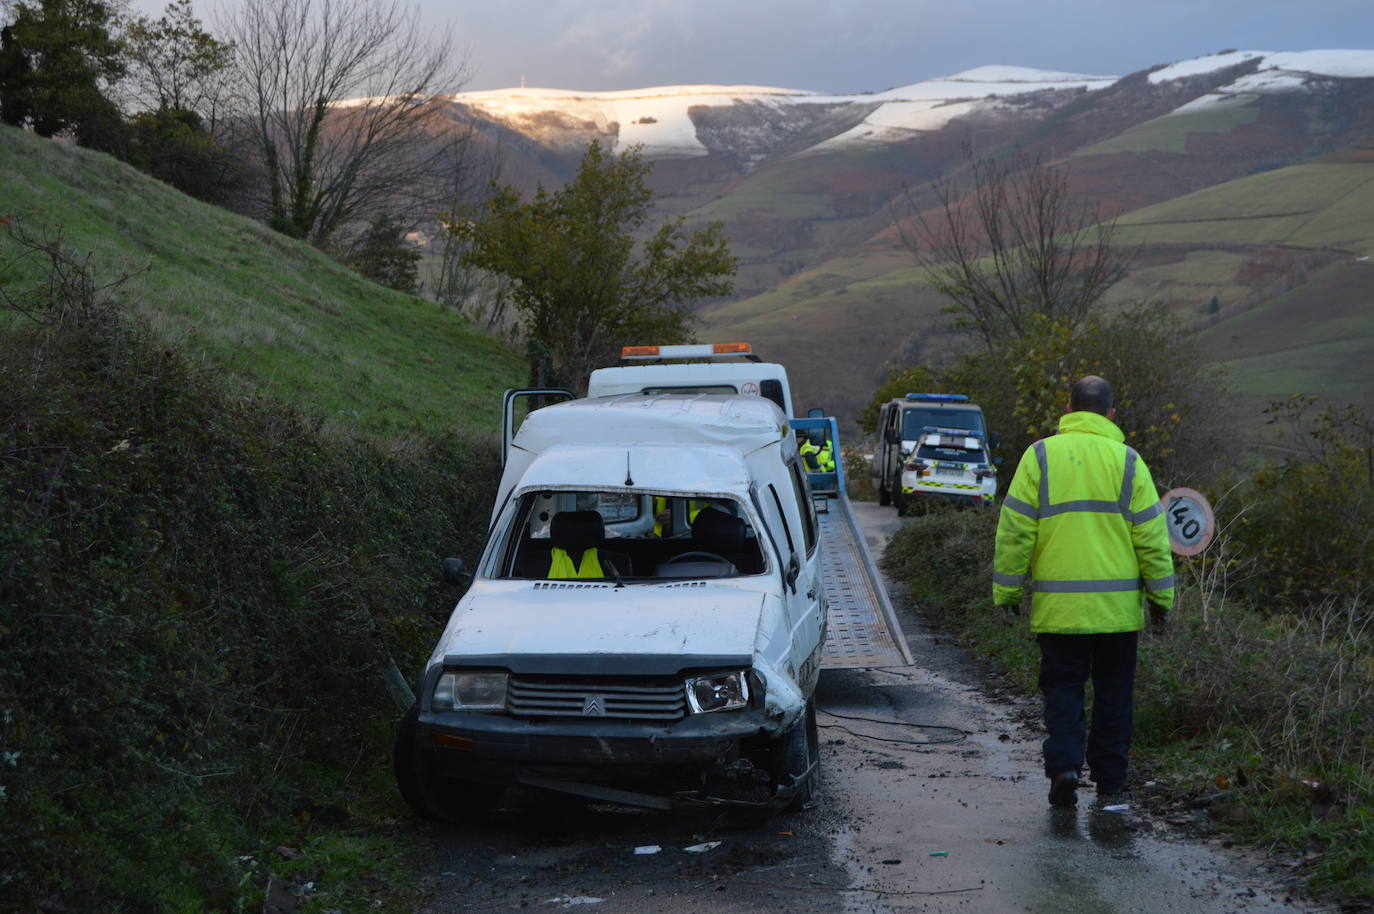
817, 458
1084, 521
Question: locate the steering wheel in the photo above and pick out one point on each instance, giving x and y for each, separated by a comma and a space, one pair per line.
698, 555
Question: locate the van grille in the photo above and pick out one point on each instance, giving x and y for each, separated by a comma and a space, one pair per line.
575, 697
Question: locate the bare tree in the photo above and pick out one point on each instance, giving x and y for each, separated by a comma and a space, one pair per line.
341, 95
1011, 242
481, 295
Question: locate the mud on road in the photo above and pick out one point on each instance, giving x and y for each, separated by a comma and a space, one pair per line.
931, 800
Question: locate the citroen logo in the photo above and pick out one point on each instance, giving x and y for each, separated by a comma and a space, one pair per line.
594, 706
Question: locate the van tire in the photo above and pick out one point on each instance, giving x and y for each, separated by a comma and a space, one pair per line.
431, 795
799, 752
884, 496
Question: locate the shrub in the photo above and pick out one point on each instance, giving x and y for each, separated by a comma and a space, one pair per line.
201, 598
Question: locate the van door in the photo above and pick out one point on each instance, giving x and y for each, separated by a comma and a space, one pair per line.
550, 396
800, 544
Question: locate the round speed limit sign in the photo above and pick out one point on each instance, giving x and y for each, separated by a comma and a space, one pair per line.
1189, 519
749, 388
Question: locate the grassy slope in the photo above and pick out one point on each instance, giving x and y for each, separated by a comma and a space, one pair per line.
279, 315
1170, 133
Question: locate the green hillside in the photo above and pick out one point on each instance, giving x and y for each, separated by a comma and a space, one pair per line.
1170, 133
276, 314
1323, 205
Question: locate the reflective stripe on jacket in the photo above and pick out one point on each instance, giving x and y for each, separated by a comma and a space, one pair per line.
1082, 517
561, 565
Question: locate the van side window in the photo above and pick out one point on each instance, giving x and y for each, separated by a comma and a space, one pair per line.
805, 506
782, 515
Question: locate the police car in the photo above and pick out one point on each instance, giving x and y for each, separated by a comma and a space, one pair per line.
951, 464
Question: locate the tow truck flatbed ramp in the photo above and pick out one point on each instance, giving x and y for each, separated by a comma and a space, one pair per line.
862, 629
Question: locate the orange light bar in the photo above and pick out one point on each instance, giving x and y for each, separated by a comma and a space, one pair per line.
627, 352
721, 348
453, 741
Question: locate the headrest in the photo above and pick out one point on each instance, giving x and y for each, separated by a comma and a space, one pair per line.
817, 437
577, 530
716, 531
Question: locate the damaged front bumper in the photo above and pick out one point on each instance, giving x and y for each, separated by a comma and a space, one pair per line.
651, 764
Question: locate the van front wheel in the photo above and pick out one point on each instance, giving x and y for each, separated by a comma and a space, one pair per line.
797, 760
431, 795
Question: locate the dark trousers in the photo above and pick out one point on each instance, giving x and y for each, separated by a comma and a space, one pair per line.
1066, 662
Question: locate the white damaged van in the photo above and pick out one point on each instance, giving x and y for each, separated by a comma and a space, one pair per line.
645, 622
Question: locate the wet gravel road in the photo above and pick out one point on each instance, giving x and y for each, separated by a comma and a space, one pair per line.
931, 800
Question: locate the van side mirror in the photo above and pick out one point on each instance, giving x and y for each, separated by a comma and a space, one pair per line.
793, 572
892, 435
993, 440
456, 573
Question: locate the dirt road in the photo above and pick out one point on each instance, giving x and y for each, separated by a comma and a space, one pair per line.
931, 800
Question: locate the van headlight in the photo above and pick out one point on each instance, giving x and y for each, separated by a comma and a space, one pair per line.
470, 692
718, 692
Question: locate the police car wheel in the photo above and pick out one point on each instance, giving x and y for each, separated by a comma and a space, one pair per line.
430, 795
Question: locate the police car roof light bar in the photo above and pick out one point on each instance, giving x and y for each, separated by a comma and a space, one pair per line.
939, 398
952, 432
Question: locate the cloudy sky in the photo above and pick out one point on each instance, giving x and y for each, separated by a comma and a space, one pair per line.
848, 46
866, 45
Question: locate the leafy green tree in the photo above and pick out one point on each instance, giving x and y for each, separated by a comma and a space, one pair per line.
175, 64
57, 59
173, 145
1168, 397
384, 256
582, 285
899, 383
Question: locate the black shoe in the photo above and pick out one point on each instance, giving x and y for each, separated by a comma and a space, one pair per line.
1064, 789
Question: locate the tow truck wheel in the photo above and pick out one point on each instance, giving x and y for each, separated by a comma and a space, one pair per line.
799, 756
429, 794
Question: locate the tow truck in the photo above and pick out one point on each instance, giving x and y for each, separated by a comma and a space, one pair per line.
863, 630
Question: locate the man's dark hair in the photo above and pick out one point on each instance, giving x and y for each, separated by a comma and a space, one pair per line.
1093, 394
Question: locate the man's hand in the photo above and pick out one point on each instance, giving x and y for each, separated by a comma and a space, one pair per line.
1012, 610
1159, 618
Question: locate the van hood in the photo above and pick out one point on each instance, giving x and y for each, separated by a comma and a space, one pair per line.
564, 619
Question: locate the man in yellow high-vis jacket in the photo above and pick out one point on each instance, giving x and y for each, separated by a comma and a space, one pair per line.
1083, 520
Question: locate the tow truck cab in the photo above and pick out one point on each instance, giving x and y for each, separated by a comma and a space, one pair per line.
705, 368
672, 659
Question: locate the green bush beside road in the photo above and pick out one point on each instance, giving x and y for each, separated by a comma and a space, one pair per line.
202, 596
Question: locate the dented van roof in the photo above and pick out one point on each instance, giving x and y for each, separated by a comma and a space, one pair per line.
738, 423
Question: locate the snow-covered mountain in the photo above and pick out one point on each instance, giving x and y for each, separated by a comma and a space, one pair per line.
689, 121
